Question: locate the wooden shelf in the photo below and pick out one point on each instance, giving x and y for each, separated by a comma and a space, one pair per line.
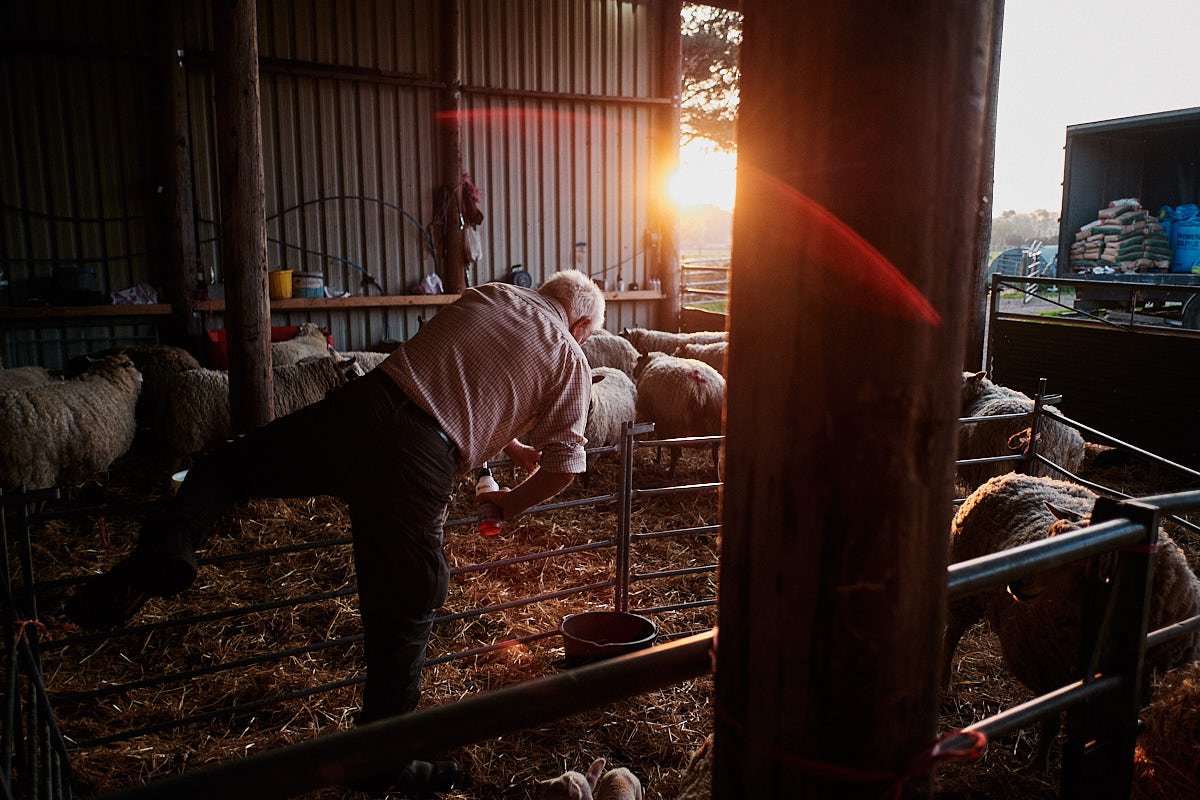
389, 301
292, 304
385, 301
83, 312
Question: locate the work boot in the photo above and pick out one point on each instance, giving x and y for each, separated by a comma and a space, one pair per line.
110, 599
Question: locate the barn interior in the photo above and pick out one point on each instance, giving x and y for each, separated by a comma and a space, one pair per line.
215, 175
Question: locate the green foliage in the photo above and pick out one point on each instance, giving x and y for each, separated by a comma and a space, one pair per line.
709, 100
1012, 229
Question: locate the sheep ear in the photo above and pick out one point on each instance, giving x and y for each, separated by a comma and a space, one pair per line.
1064, 513
597, 378
978, 376
594, 772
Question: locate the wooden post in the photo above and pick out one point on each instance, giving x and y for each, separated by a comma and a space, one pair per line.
450, 147
978, 301
243, 214
666, 137
859, 139
181, 267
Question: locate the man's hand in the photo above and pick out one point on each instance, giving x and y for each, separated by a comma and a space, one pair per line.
523, 455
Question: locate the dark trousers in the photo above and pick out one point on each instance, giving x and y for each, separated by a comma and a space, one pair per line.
368, 444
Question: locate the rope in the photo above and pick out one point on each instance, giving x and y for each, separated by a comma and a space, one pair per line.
960, 745
22, 624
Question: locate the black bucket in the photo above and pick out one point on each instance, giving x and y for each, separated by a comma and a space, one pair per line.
596, 635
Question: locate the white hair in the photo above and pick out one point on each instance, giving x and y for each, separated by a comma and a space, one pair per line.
578, 295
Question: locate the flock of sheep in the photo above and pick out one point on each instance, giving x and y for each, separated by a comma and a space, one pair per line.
59, 430
1039, 620
62, 429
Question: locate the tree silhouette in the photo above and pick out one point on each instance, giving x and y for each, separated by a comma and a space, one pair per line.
709, 100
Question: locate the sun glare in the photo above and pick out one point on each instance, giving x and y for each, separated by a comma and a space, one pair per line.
706, 176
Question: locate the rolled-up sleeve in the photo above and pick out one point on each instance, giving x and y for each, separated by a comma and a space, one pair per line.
558, 432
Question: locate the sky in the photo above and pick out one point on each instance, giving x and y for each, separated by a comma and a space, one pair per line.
1062, 62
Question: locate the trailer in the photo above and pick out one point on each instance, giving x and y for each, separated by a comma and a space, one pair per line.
1154, 158
1121, 349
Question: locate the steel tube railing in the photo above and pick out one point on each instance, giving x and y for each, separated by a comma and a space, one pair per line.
344, 757
986, 572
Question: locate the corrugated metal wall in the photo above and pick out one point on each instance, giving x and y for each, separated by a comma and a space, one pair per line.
75, 182
559, 100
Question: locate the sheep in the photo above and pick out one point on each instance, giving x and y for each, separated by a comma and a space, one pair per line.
21, 377
982, 398
619, 784
308, 342
1039, 618
712, 354
196, 411
696, 781
682, 397
571, 785
613, 403
605, 350
364, 360
156, 362
70, 430
651, 341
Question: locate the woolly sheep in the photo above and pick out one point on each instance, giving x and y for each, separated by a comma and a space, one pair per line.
308, 342
983, 398
364, 360
605, 350
71, 430
156, 362
613, 403
619, 784
1039, 618
682, 397
712, 354
696, 781
196, 411
651, 341
571, 785
22, 377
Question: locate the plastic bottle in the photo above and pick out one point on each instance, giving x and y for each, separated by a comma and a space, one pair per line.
490, 515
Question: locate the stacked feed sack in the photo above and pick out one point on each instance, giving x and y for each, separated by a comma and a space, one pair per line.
1124, 237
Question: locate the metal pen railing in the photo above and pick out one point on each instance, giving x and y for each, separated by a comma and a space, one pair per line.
619, 582
1102, 703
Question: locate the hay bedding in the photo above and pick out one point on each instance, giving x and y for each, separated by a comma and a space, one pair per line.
653, 735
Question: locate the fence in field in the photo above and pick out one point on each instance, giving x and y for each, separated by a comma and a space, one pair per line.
1101, 705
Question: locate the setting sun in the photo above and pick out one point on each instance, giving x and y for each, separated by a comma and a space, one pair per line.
706, 176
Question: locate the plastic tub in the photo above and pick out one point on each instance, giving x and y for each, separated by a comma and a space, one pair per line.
279, 282
308, 284
597, 635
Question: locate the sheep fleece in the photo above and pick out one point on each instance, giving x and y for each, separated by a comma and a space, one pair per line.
681, 396
197, 405
1039, 635
68, 431
22, 377
308, 342
614, 402
647, 340
983, 398
605, 350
